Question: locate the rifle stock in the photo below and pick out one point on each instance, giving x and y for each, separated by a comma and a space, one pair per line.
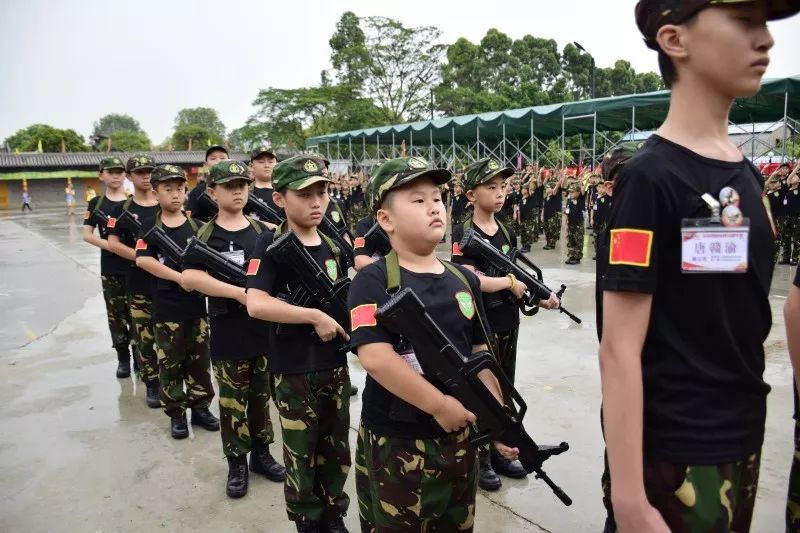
158, 237
473, 244
338, 235
404, 314
264, 211
377, 239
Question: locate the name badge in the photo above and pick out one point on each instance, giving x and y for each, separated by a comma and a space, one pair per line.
708, 248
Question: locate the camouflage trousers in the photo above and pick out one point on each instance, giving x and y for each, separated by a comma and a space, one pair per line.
243, 404
415, 485
779, 227
182, 350
552, 229
526, 233
793, 499
505, 349
703, 499
599, 229
117, 310
575, 233
790, 238
143, 336
538, 226
314, 412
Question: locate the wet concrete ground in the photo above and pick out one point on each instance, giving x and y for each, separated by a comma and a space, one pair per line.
80, 451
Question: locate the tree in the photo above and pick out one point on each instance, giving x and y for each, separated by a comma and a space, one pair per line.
129, 141
201, 116
201, 137
114, 122
349, 55
27, 139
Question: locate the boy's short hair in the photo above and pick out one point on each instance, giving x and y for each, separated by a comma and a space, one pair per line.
216, 148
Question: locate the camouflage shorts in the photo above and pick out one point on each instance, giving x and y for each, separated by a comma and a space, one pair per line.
182, 350
314, 412
143, 336
407, 485
117, 310
243, 404
703, 499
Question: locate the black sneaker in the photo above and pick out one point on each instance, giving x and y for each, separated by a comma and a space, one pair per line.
262, 462
152, 396
487, 478
504, 467
123, 362
238, 478
336, 525
308, 526
178, 427
202, 417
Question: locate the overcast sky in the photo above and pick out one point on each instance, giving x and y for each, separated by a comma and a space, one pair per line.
67, 63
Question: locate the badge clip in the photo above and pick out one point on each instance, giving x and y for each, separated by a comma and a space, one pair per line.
714, 205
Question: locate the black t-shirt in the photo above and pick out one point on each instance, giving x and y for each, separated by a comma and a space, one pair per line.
460, 204
552, 204
361, 246
501, 306
441, 294
110, 263
170, 302
526, 207
199, 209
265, 194
776, 199
703, 357
792, 202
356, 198
538, 196
294, 348
508, 205
602, 209
234, 333
139, 281
336, 214
574, 209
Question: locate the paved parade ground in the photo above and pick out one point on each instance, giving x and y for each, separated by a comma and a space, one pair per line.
80, 451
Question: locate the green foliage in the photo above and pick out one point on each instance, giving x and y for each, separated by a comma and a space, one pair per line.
114, 122
206, 117
27, 139
130, 141
201, 137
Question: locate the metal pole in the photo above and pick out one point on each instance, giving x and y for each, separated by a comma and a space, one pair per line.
785, 124
533, 148
363, 149
505, 159
453, 134
378, 147
328, 145
411, 147
350, 150
478, 140
393, 152
593, 69
430, 131
338, 151
563, 144
594, 141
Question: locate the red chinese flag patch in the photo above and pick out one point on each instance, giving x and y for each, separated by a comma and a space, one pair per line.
363, 316
360, 242
112, 222
631, 247
141, 245
457, 249
253, 266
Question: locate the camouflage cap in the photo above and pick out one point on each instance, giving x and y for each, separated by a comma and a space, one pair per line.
574, 187
228, 170
400, 171
107, 163
299, 172
262, 150
140, 161
615, 158
216, 148
162, 173
651, 15
483, 170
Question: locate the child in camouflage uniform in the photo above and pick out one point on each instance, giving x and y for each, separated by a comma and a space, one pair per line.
179, 316
415, 467
575, 229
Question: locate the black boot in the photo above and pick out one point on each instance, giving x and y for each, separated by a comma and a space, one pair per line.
336, 525
123, 362
153, 391
308, 526
487, 478
262, 462
503, 466
178, 427
202, 417
237, 477
353, 390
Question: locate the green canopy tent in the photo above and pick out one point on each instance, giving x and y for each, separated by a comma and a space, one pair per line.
520, 133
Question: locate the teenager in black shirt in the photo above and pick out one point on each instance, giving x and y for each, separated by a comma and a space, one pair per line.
684, 398
262, 161
122, 240
309, 369
415, 466
196, 206
791, 314
179, 316
238, 342
113, 269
